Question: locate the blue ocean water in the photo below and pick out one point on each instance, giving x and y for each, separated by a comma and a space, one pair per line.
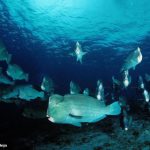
40, 35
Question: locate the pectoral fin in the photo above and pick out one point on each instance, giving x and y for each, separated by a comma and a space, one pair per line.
75, 116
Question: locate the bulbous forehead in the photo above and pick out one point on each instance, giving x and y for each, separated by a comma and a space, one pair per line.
56, 99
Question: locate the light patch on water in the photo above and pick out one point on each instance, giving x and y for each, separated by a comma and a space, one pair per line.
111, 23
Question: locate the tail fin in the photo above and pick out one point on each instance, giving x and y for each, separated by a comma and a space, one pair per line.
113, 109
41, 95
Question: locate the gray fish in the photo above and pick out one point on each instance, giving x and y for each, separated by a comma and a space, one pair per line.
47, 85
100, 90
26, 92
78, 108
141, 83
132, 60
86, 92
74, 88
4, 55
146, 95
127, 120
116, 81
126, 79
78, 53
16, 73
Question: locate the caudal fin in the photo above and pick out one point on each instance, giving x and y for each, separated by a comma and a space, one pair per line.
113, 109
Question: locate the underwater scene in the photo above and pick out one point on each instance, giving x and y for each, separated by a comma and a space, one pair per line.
75, 74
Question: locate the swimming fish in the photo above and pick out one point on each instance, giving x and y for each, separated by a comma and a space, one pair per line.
86, 92
74, 88
126, 79
16, 72
127, 120
78, 108
4, 55
47, 85
79, 53
146, 95
115, 81
141, 83
100, 90
26, 92
132, 60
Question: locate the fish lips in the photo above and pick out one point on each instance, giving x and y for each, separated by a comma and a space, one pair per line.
51, 119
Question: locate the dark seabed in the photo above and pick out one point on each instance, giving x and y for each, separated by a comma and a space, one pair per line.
41, 35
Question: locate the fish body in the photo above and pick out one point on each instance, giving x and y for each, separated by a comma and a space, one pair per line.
4, 55
79, 53
146, 95
74, 88
25, 92
100, 90
126, 79
75, 109
16, 72
141, 83
47, 85
28, 93
86, 92
132, 60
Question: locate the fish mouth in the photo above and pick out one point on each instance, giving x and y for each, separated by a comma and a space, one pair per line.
51, 119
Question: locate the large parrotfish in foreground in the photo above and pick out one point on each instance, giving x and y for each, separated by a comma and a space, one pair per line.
78, 108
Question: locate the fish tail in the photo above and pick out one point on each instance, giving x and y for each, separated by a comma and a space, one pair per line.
113, 109
41, 94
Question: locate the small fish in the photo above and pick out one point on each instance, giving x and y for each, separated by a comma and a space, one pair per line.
25, 92
74, 88
86, 92
47, 85
132, 60
16, 73
146, 95
100, 90
4, 55
79, 53
141, 83
115, 81
127, 120
126, 79
78, 108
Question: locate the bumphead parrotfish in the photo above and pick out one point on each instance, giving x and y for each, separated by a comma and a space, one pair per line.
78, 108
